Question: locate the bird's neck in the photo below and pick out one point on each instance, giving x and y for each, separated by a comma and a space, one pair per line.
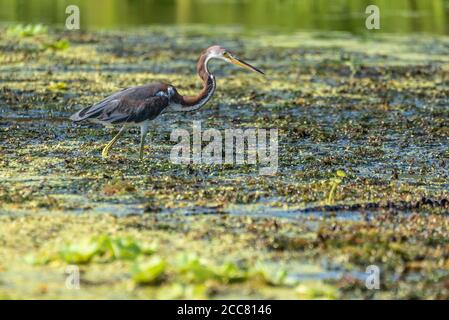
190, 103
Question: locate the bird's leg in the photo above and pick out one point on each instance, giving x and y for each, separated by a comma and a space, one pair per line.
143, 133
106, 149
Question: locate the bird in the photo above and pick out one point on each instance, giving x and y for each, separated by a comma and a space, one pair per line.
139, 105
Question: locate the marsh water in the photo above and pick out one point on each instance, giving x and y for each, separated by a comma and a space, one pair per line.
363, 153
399, 16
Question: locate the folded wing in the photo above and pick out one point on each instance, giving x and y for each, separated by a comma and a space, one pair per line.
135, 104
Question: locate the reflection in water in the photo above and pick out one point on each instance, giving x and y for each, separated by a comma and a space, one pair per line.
404, 16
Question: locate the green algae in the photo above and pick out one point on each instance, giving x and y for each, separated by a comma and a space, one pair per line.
372, 108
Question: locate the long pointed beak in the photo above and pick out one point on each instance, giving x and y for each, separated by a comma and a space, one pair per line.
243, 64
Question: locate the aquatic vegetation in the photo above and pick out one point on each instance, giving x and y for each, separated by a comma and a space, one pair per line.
118, 187
334, 183
195, 270
316, 291
58, 45
185, 268
58, 86
182, 291
274, 277
103, 247
29, 30
363, 170
80, 253
148, 272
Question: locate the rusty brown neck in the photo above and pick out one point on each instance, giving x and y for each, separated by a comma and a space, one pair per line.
195, 102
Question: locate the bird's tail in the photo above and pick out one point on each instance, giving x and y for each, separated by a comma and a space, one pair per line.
80, 115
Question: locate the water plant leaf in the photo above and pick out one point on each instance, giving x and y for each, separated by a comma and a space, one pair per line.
341, 173
28, 30
316, 290
124, 248
230, 272
59, 45
57, 86
148, 272
182, 291
80, 253
38, 259
270, 275
194, 269
112, 248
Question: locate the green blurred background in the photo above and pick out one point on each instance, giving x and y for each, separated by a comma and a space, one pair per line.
398, 16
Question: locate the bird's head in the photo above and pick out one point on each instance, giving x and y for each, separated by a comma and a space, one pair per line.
218, 52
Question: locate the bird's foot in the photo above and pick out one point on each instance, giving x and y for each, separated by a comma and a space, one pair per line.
105, 153
141, 154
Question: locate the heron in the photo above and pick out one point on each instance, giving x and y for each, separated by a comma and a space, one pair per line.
137, 106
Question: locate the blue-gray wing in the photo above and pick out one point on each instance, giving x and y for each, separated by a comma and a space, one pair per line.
135, 104
127, 110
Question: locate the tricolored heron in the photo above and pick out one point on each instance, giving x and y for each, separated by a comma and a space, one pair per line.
139, 105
